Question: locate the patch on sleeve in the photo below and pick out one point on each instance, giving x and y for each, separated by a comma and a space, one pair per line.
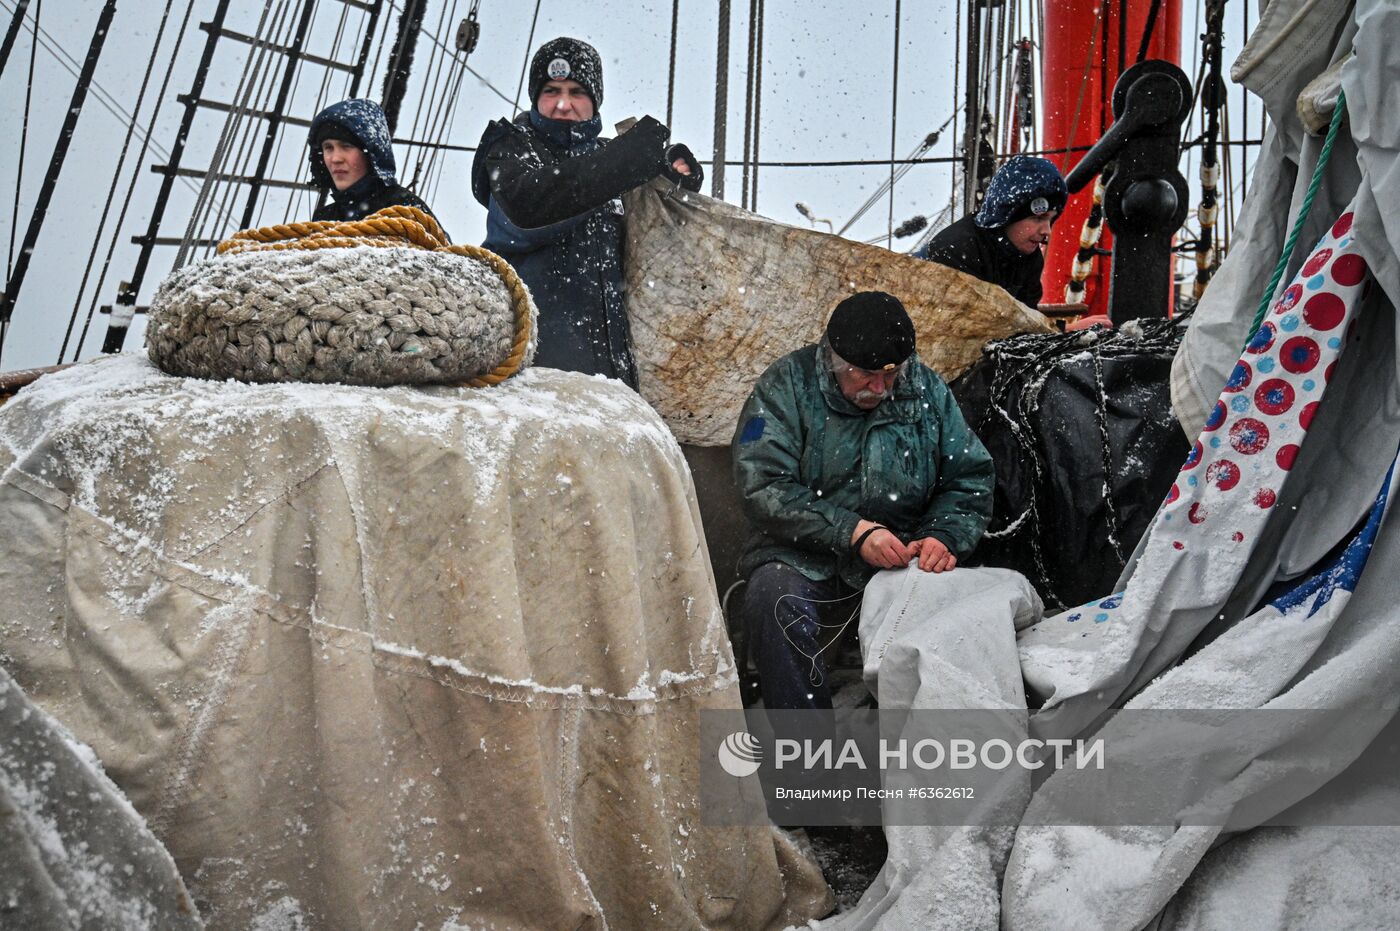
752, 430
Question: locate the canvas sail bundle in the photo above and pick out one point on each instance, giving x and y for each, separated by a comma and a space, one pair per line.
371, 657
715, 294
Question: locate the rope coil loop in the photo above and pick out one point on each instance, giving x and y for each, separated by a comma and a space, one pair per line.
398, 227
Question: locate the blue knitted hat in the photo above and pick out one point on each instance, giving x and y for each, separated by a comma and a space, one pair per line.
1022, 185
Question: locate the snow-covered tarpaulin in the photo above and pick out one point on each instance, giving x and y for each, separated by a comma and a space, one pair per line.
715, 294
374, 658
73, 852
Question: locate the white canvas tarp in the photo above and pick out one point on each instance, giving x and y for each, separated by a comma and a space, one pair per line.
73, 852
366, 658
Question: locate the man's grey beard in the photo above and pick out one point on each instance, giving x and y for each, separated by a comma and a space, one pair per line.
865, 394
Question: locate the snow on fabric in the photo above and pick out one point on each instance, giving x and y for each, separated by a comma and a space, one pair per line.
944, 641
715, 294
370, 657
73, 852
1338, 877
1251, 665
1085, 659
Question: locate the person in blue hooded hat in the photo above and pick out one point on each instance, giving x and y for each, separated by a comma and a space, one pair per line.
552, 189
352, 159
1003, 241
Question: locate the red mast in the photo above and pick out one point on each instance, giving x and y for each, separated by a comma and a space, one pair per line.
1088, 44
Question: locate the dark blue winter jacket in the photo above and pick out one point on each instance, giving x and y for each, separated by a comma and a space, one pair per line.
364, 122
552, 190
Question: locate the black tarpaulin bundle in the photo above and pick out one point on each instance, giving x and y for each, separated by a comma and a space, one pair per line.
1081, 428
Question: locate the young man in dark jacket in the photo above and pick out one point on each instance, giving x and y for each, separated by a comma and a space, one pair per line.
552, 188
353, 160
1002, 242
851, 456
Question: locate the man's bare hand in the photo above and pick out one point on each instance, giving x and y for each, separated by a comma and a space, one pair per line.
680, 166
882, 549
934, 555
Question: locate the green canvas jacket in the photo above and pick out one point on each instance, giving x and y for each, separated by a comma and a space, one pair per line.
810, 465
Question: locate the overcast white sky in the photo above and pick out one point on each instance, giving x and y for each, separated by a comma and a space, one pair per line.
827, 82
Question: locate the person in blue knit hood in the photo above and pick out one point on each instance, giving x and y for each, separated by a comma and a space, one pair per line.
352, 159
552, 189
1002, 243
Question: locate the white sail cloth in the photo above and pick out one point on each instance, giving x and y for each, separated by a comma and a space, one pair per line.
371, 657
944, 642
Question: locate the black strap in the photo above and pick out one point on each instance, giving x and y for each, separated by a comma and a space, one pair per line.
860, 540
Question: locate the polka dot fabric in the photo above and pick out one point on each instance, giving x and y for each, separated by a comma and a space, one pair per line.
1231, 479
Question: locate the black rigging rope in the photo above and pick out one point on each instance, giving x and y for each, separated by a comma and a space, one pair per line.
758, 103
244, 124
19, 170
255, 74
23, 144
439, 126
437, 105
116, 179
671, 70
300, 67
436, 160
525, 65
433, 71
1147, 29
751, 51
894, 120
383, 40
12, 33
131, 186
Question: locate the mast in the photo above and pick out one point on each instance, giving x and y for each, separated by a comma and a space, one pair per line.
1082, 52
972, 106
721, 100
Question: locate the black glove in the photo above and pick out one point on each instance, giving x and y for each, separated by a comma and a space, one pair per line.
692, 181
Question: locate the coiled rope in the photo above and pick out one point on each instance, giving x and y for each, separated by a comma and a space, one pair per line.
397, 227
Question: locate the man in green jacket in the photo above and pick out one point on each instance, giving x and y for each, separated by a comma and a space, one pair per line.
851, 456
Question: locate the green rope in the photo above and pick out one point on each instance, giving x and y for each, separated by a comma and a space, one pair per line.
1303, 211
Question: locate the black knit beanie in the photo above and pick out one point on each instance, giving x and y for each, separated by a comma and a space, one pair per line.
871, 330
565, 59
330, 129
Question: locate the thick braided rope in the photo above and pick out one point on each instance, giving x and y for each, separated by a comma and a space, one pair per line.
396, 227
